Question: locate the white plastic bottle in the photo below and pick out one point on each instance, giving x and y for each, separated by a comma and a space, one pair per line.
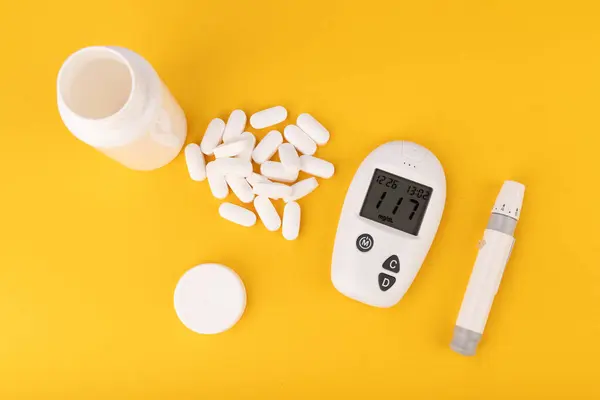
112, 99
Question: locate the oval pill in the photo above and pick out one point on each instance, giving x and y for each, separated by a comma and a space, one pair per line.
289, 156
216, 181
195, 162
278, 172
212, 136
316, 166
301, 141
267, 213
270, 116
255, 178
236, 123
240, 187
272, 190
313, 128
301, 189
267, 147
233, 166
246, 154
237, 214
291, 220
231, 149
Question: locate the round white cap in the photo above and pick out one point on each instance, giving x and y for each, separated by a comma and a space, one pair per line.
210, 298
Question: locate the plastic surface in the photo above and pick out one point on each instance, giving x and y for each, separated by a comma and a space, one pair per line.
113, 100
510, 199
363, 246
210, 298
301, 141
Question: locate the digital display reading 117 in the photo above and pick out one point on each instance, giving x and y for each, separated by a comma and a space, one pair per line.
396, 202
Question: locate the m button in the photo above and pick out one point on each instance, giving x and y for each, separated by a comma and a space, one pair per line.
364, 242
386, 281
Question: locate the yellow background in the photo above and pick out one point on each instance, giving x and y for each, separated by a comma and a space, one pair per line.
91, 252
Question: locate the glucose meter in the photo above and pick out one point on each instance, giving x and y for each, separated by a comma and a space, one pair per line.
390, 216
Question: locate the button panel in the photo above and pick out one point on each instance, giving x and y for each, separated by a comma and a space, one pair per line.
392, 264
364, 242
386, 281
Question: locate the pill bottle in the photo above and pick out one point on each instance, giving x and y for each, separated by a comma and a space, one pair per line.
113, 100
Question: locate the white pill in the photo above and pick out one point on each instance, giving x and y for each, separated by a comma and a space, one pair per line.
301, 189
272, 190
212, 136
278, 172
256, 178
240, 187
267, 213
246, 154
270, 116
195, 162
316, 166
313, 128
291, 221
231, 149
235, 126
289, 157
216, 181
267, 147
301, 141
233, 166
237, 214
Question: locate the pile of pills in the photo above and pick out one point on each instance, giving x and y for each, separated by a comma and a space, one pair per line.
234, 150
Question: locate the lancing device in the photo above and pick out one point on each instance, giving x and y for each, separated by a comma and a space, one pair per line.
494, 252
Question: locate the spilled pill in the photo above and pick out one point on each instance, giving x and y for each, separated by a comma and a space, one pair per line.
270, 116
233, 166
195, 162
231, 149
289, 157
246, 154
301, 141
291, 221
272, 190
316, 166
301, 189
313, 128
212, 136
267, 213
255, 178
278, 172
216, 181
236, 123
240, 187
267, 147
237, 214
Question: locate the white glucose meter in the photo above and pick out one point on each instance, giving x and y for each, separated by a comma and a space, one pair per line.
390, 216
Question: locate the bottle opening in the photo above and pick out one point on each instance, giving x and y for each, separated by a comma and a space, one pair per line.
95, 83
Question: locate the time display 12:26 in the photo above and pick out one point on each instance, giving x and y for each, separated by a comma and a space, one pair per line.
396, 202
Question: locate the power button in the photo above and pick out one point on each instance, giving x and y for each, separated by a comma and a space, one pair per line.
364, 242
